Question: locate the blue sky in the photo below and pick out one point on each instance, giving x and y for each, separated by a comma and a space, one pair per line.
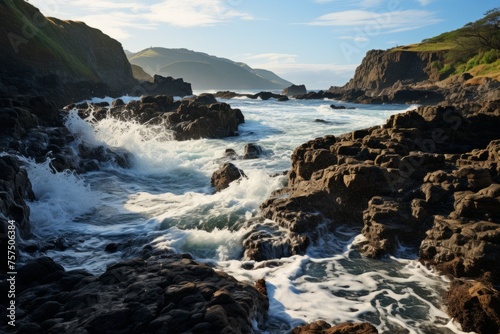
315, 42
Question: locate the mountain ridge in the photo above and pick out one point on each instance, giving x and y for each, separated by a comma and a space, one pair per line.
205, 71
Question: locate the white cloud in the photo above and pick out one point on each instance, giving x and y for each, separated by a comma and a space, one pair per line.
117, 18
424, 2
115, 24
356, 3
194, 13
378, 22
360, 39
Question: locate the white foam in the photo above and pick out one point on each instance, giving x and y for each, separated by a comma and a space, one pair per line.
166, 199
61, 197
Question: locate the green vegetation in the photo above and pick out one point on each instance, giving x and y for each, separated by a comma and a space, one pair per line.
474, 49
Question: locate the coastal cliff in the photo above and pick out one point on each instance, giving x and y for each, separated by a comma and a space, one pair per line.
63, 60
406, 67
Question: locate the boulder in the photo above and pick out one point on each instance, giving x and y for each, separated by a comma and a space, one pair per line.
188, 119
164, 293
386, 224
294, 90
15, 189
322, 327
164, 86
252, 151
474, 305
226, 174
463, 247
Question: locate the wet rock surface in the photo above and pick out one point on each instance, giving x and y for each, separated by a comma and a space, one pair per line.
193, 118
321, 327
164, 293
427, 179
226, 174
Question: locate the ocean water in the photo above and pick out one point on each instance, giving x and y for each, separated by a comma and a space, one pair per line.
165, 200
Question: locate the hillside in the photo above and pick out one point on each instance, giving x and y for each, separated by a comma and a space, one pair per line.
64, 60
473, 49
204, 71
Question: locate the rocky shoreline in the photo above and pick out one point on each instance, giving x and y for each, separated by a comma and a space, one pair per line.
427, 179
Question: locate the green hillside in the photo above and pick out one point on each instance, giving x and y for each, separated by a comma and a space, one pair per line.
204, 71
474, 48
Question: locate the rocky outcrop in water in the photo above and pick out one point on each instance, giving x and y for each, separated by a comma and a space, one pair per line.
261, 95
321, 327
429, 179
163, 86
187, 119
163, 293
33, 127
475, 305
294, 90
226, 174
383, 176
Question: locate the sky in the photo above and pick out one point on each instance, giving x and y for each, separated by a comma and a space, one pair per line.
318, 43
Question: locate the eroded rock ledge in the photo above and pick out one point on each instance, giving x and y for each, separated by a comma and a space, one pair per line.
166, 293
428, 178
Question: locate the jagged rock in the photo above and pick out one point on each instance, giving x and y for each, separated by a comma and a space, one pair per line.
195, 121
474, 305
185, 120
322, 327
15, 188
294, 90
226, 174
386, 224
164, 86
205, 99
415, 96
463, 247
394, 67
165, 293
252, 151
268, 95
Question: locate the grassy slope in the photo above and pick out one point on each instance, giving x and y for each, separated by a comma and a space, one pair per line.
480, 64
47, 42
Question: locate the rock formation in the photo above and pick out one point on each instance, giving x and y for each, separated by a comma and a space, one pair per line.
294, 90
407, 67
158, 294
428, 179
226, 174
186, 119
321, 327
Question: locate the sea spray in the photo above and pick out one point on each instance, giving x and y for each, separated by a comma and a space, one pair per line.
165, 201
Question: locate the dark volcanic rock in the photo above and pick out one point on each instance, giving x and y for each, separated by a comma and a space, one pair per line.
321, 327
15, 188
475, 305
187, 119
335, 179
427, 179
294, 90
226, 174
166, 293
252, 151
163, 86
261, 95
